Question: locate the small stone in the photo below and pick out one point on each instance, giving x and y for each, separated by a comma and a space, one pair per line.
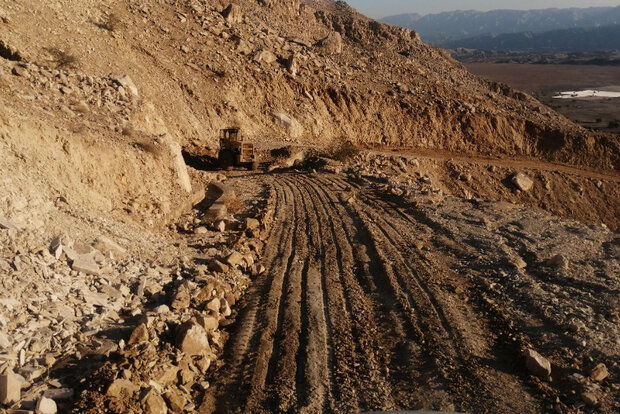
181, 298
127, 83
7, 225
217, 266
86, 264
46, 406
590, 399
558, 261
203, 364
220, 226
106, 245
59, 394
257, 269
168, 376
139, 335
192, 339
201, 230
175, 400
214, 305
522, 182
265, 56
599, 372
537, 364
10, 388
234, 259
233, 14
162, 309
20, 70
56, 247
31, 373
518, 263
122, 388
252, 224
155, 404
225, 308
5, 342
208, 322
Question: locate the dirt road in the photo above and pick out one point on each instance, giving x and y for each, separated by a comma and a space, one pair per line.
363, 308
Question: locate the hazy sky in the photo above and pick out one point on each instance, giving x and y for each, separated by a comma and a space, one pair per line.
382, 8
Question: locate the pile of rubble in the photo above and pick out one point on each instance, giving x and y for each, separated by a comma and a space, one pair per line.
163, 364
152, 326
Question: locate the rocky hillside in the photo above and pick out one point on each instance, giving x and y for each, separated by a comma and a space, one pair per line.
309, 72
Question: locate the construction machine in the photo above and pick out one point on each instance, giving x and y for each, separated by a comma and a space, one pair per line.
234, 151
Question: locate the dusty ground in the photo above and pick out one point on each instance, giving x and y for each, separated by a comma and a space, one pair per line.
404, 279
373, 302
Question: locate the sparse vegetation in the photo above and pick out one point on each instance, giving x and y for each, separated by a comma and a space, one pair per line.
342, 150
62, 59
111, 22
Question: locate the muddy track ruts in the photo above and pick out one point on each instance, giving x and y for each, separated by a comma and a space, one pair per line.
350, 318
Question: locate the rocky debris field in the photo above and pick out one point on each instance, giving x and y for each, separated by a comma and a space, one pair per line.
82, 316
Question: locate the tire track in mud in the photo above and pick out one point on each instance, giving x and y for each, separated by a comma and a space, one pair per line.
344, 319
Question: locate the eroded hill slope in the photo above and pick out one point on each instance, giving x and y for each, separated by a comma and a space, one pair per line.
308, 71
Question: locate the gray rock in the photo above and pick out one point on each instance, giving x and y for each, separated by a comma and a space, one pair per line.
127, 83
59, 394
537, 364
192, 339
233, 14
10, 388
558, 261
522, 182
599, 372
46, 406
86, 264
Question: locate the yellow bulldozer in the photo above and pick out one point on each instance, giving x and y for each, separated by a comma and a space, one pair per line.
235, 152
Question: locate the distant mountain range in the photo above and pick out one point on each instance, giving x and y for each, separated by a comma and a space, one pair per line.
599, 39
446, 28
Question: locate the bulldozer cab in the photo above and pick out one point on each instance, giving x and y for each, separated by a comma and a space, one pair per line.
234, 151
230, 134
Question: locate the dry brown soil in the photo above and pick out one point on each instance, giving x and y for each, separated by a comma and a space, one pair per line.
374, 303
